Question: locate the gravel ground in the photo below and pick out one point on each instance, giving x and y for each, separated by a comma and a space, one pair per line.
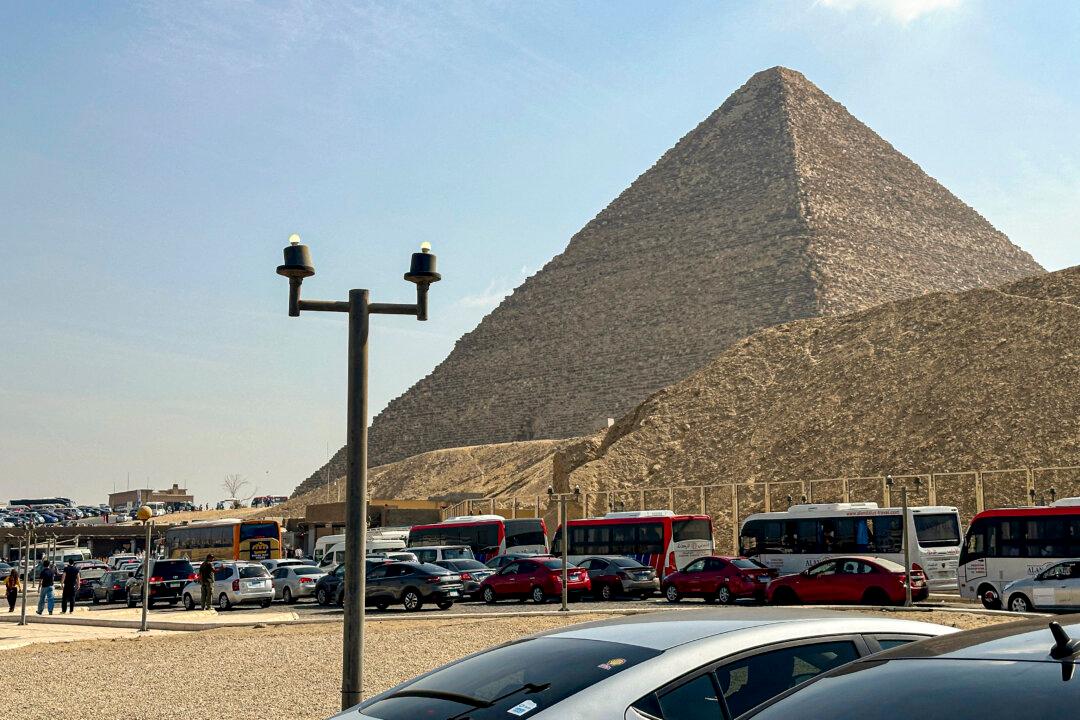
255, 673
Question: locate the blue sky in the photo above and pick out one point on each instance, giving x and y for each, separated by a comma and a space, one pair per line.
157, 155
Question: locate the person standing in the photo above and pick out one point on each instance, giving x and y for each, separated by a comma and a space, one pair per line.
12, 585
70, 577
45, 587
206, 581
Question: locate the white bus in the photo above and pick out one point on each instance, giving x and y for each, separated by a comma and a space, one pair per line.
794, 540
1009, 544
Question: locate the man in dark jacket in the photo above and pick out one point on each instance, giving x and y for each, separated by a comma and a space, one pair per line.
206, 581
45, 587
70, 579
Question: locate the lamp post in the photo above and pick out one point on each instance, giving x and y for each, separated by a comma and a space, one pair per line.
298, 265
906, 535
144, 515
26, 570
563, 498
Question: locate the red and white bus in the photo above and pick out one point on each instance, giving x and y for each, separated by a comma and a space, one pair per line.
487, 535
1009, 544
658, 538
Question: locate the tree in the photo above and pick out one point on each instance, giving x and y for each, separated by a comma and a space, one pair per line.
233, 484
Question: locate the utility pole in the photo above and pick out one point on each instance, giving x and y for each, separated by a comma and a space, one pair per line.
26, 570
563, 498
907, 548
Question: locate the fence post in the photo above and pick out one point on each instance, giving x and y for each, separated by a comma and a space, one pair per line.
702, 499
537, 506
980, 503
768, 498
671, 498
641, 499
585, 504
931, 490
1030, 480
846, 490
886, 492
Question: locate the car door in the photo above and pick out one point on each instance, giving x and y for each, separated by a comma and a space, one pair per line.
375, 586
528, 574
713, 574
222, 579
394, 582
692, 578
280, 578
848, 582
502, 582
1070, 590
815, 584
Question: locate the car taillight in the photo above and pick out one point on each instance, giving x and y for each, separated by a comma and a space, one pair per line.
155, 578
115, 587
466, 576
236, 585
622, 575
192, 577
305, 580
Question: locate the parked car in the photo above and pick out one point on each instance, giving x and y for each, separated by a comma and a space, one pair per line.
395, 556
167, 581
1020, 671
472, 573
118, 560
613, 575
89, 572
442, 552
719, 579
537, 578
671, 665
272, 565
292, 582
500, 561
1055, 588
848, 579
235, 583
110, 587
412, 585
328, 588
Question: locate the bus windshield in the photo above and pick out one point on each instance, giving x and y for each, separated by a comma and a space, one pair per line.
939, 530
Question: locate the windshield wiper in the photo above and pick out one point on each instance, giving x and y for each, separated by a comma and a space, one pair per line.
441, 695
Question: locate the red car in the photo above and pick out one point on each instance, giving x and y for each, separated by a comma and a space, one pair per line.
537, 578
718, 579
849, 579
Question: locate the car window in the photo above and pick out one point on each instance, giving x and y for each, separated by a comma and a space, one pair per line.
714, 564
589, 564
696, 699
377, 572
889, 643
696, 566
306, 570
825, 568
253, 571
526, 567
339, 571
395, 571
851, 567
748, 682
280, 573
510, 568
222, 573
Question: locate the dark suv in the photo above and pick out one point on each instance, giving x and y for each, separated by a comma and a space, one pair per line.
167, 581
412, 584
1018, 671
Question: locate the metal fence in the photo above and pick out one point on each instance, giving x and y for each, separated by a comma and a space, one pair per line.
970, 491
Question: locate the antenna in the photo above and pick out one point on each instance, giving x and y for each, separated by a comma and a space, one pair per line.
1064, 646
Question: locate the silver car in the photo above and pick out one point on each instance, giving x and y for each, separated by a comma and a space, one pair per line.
707, 663
1055, 588
293, 582
235, 583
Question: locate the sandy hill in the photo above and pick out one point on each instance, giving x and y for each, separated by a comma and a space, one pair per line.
987, 378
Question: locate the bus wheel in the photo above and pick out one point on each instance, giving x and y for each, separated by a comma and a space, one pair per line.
1019, 603
990, 598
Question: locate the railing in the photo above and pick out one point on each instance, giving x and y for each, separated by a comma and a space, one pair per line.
970, 491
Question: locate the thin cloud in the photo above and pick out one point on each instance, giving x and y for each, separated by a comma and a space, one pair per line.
488, 299
901, 11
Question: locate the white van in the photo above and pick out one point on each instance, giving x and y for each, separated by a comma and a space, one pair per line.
432, 553
323, 544
335, 554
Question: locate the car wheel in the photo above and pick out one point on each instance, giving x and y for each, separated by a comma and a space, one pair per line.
489, 595
189, 602
672, 594
223, 602
875, 596
321, 597
286, 595
444, 604
538, 595
264, 603
411, 600
990, 598
724, 596
1019, 603
606, 593
785, 596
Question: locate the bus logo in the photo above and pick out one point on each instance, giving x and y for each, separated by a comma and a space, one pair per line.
260, 550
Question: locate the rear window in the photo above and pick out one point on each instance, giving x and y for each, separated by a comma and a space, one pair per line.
172, 569
935, 689
307, 571
455, 553
691, 530
520, 533
937, 530
744, 564
258, 530
253, 571
555, 564
625, 562
505, 677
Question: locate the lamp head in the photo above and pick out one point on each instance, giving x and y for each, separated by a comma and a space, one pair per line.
422, 267
143, 514
551, 490
297, 260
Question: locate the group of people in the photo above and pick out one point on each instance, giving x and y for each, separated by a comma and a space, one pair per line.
47, 578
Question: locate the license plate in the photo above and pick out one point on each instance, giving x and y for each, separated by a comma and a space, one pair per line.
175, 584
453, 593
256, 583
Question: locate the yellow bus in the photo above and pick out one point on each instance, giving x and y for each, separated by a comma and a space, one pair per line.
226, 539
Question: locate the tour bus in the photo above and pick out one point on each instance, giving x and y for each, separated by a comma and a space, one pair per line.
227, 539
658, 538
803, 535
1009, 544
487, 535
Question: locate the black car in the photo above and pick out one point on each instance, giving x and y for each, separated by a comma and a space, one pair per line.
1019, 671
412, 584
110, 587
472, 574
331, 591
167, 581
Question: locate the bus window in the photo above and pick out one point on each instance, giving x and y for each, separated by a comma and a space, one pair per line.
887, 534
651, 539
522, 533
691, 530
938, 530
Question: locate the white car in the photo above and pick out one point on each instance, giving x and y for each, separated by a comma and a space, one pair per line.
293, 582
272, 565
235, 583
690, 664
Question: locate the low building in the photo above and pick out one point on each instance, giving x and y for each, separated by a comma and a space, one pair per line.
140, 496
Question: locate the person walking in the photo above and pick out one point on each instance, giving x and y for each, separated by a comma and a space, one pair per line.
70, 579
206, 581
45, 588
12, 585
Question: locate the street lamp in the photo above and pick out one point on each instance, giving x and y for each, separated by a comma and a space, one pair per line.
564, 522
298, 265
144, 516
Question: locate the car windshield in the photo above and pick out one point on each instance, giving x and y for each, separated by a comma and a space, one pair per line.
172, 569
556, 564
974, 689
253, 571
625, 562
305, 570
498, 683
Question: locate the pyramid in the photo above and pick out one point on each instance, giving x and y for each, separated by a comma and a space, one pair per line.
779, 206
